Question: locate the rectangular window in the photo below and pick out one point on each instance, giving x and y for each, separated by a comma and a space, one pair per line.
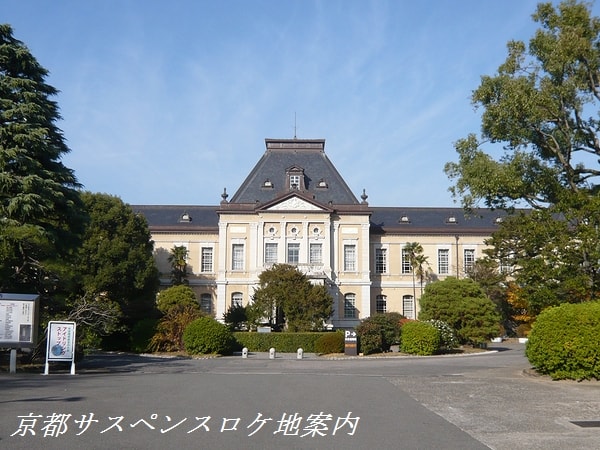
443, 261
293, 253
237, 261
380, 260
316, 256
350, 258
406, 267
469, 259
294, 181
206, 303
270, 253
206, 265
381, 304
349, 306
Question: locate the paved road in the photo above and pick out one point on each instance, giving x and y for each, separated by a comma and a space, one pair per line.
457, 402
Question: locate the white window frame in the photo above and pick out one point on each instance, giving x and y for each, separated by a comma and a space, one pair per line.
406, 266
237, 256
468, 262
408, 306
207, 264
381, 304
315, 257
443, 255
350, 306
350, 257
270, 257
294, 181
296, 247
237, 298
381, 260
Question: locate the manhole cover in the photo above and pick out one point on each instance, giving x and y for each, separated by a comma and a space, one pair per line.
586, 423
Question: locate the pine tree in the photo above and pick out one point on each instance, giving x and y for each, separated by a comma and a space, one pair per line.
40, 209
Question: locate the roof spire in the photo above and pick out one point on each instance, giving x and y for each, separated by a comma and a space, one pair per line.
295, 127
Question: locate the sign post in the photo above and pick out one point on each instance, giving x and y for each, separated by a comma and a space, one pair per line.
60, 344
350, 343
18, 323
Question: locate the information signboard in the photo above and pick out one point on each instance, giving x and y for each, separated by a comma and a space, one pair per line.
18, 320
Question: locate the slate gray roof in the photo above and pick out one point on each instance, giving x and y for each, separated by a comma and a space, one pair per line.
393, 220
417, 220
283, 154
173, 217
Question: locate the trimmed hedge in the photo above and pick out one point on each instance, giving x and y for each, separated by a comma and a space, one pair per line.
420, 338
207, 336
565, 342
282, 342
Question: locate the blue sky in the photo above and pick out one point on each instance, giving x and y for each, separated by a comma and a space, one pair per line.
170, 102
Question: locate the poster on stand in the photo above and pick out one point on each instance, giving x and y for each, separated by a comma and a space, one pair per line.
60, 343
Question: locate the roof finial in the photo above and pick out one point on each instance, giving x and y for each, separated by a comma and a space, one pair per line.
295, 127
224, 196
364, 197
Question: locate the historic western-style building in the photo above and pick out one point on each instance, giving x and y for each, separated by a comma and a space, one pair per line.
294, 207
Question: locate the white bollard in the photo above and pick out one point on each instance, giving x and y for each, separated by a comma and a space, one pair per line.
245, 352
300, 354
271, 353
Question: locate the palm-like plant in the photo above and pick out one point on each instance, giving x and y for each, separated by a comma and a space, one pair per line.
418, 264
178, 260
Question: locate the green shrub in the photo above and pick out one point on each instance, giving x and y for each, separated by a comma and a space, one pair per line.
420, 338
379, 332
282, 342
236, 317
565, 342
448, 339
464, 306
170, 328
141, 334
207, 336
176, 296
330, 343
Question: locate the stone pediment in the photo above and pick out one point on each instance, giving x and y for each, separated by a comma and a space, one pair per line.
294, 204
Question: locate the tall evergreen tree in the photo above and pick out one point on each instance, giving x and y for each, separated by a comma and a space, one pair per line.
41, 215
115, 260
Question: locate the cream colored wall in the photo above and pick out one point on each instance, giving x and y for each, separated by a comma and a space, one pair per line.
395, 285
253, 230
201, 283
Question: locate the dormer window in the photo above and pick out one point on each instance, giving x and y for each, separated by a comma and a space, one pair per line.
267, 184
185, 217
322, 184
294, 181
404, 219
451, 219
295, 178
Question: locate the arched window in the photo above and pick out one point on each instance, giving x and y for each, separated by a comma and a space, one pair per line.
350, 306
237, 299
408, 306
206, 303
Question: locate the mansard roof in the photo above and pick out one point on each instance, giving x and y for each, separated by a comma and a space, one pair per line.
179, 218
384, 220
269, 180
417, 220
